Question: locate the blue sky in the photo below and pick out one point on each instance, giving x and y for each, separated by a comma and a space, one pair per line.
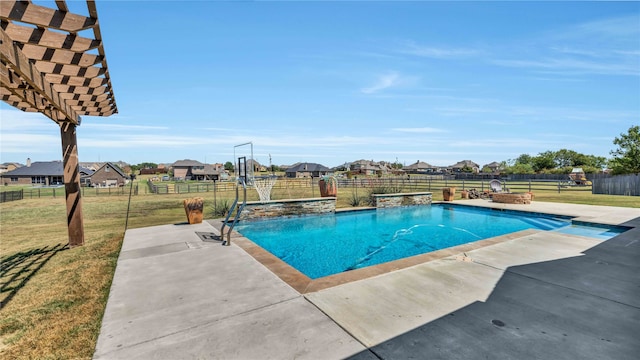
332, 82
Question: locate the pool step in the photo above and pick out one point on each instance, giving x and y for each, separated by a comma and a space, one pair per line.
546, 223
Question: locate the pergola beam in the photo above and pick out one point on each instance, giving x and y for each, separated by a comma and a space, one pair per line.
19, 64
46, 68
27, 12
49, 39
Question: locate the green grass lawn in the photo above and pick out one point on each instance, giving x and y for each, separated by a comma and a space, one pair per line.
53, 298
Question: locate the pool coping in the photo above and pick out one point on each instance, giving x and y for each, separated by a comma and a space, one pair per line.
304, 284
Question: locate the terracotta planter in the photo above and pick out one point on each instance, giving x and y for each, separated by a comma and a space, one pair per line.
448, 193
464, 194
193, 207
328, 188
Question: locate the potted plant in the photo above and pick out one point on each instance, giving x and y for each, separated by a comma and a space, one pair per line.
328, 186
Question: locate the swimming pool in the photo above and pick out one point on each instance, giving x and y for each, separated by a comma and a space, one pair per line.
324, 245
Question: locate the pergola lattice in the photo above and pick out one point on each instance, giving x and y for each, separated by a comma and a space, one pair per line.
47, 67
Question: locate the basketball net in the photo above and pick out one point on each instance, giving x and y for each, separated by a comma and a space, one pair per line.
264, 186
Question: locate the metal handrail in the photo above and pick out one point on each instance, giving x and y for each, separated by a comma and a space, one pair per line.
238, 213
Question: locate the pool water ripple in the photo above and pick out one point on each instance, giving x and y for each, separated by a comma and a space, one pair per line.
323, 245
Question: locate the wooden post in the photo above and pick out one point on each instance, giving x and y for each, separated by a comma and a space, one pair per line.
72, 184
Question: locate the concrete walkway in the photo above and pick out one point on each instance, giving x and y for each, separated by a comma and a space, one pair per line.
539, 295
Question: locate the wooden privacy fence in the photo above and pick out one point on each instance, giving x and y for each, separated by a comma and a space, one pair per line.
618, 185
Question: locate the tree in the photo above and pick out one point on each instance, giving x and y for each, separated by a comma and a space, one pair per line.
544, 161
519, 168
626, 159
524, 159
228, 166
566, 158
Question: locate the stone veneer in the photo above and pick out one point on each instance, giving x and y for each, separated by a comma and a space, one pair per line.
290, 207
511, 198
400, 199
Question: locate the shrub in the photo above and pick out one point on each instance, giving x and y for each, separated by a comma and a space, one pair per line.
221, 207
355, 200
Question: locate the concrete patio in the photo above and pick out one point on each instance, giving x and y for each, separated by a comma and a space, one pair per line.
537, 295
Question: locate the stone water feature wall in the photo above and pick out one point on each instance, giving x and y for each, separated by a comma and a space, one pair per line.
393, 200
292, 207
512, 198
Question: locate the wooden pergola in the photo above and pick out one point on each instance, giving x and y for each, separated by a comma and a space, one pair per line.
50, 66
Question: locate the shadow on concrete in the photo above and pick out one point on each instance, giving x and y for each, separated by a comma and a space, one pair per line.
17, 269
585, 307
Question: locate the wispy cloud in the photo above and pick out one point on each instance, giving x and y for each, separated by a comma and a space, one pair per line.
27, 133
573, 66
122, 127
383, 82
421, 130
30, 143
603, 47
11, 119
617, 29
412, 48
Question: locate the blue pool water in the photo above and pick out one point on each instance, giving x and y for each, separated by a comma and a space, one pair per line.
323, 245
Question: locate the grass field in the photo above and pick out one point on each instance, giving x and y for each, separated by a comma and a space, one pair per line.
53, 298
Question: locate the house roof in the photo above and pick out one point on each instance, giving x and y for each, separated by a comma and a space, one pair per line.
465, 163
43, 168
418, 165
187, 163
6, 165
116, 168
208, 170
493, 164
300, 167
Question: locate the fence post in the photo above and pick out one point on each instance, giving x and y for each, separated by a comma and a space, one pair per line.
558, 186
529, 185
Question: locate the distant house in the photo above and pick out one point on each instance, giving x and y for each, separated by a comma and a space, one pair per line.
256, 166
420, 167
305, 170
154, 171
5, 167
495, 167
207, 173
41, 173
108, 175
183, 169
465, 164
93, 166
195, 170
368, 167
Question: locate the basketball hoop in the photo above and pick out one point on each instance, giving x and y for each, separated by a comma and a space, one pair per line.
264, 185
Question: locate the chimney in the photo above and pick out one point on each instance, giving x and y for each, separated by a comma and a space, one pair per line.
28, 162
